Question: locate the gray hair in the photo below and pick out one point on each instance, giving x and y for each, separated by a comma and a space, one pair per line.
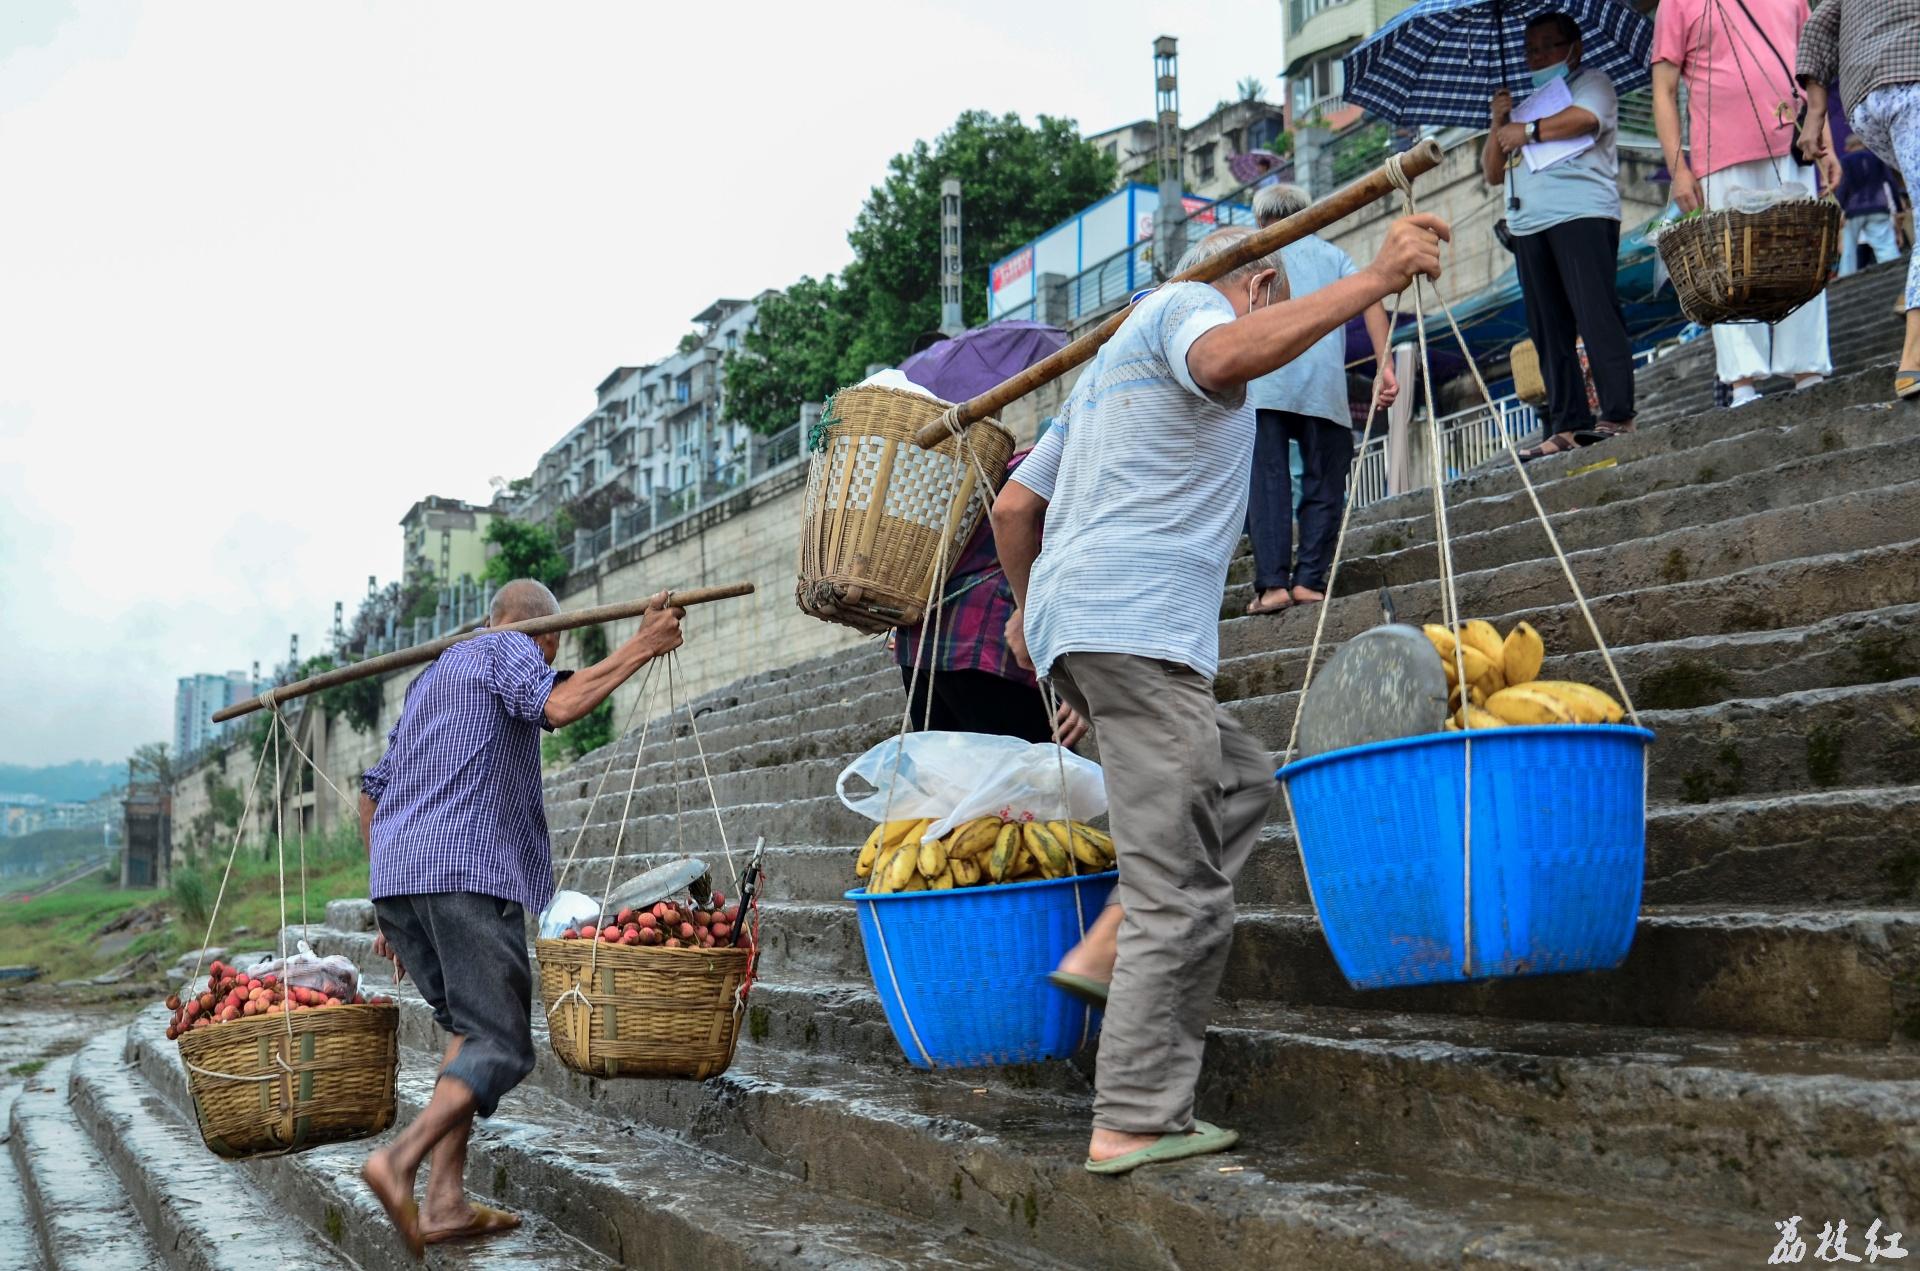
519, 600
1277, 202
1218, 242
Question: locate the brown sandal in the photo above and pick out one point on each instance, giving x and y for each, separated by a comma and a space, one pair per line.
1559, 444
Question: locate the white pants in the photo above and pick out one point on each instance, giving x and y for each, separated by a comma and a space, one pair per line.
1795, 345
1875, 229
1889, 122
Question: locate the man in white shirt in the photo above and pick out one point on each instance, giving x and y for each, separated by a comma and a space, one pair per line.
1142, 490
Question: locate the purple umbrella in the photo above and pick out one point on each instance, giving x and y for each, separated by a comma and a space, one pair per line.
974, 361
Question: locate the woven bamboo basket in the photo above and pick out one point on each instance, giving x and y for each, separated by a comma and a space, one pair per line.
1528, 384
1732, 266
259, 1092
642, 1011
884, 517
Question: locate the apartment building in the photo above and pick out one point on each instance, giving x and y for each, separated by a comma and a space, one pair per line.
195, 699
1207, 148
656, 432
444, 539
1318, 34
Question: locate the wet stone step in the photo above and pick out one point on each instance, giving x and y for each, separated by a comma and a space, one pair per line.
324, 1182
81, 1214
1637, 1109
208, 1217
19, 1246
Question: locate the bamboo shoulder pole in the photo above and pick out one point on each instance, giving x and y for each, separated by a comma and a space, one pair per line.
1422, 158
532, 626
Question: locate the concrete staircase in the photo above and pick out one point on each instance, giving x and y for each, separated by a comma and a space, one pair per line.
1757, 573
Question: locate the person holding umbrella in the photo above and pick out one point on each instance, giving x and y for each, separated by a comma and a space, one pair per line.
1564, 214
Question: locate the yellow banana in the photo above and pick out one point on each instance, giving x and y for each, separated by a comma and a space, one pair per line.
1101, 839
916, 883
1442, 639
1474, 717
899, 832
942, 881
900, 866
1528, 704
1474, 660
1005, 848
869, 852
1084, 848
1522, 654
965, 872
974, 839
1588, 704
1047, 850
1453, 725
1480, 634
932, 857
1492, 682
880, 882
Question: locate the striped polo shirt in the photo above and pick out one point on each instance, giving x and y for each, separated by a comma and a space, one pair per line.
1145, 478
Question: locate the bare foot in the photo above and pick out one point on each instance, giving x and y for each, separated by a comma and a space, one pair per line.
1097, 951
395, 1194
1272, 600
1108, 1144
1308, 596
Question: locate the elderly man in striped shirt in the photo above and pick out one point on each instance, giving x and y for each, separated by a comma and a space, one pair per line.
453, 820
1142, 489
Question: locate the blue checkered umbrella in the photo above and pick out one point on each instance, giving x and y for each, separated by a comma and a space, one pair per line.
1441, 61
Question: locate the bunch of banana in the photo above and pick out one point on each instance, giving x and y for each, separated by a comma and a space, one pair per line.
1501, 687
984, 850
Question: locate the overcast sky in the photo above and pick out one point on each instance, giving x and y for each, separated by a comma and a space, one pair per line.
271, 271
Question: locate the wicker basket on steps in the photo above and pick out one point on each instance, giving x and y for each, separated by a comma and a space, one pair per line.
1528, 384
642, 1011
275, 1084
1730, 266
885, 519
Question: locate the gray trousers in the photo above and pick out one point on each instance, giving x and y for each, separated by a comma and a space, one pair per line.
1188, 789
467, 955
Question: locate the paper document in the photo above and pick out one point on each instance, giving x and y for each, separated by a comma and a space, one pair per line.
1543, 104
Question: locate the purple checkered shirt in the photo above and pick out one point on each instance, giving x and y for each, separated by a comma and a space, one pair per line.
973, 619
458, 791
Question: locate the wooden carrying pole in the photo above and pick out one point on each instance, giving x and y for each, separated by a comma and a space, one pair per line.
1421, 159
532, 626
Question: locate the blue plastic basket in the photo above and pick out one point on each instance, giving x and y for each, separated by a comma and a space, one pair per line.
962, 973
1559, 850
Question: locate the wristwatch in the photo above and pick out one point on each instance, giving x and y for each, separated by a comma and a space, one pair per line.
1533, 131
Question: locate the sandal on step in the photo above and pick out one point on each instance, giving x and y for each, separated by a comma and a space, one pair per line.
1906, 384
1089, 990
486, 1221
1603, 431
1205, 1138
1285, 602
1559, 444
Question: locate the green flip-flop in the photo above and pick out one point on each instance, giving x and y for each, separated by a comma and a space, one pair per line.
1092, 992
1206, 1138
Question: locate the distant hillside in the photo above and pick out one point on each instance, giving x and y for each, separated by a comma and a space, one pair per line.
62, 783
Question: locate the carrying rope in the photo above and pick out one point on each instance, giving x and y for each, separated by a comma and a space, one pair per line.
1448, 581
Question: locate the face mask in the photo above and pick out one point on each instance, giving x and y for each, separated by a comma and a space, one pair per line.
1547, 74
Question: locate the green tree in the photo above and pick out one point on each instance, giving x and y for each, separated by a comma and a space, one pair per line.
1018, 181
153, 759
800, 349
525, 551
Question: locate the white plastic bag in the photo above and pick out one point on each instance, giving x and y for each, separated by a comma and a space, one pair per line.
566, 909
335, 973
956, 777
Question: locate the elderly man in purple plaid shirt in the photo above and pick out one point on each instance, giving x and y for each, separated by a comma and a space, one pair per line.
457, 833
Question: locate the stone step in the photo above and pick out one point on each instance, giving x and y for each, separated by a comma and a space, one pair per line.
1004, 1160
1636, 1110
1711, 467
323, 1183
193, 1204
1859, 735
638, 1197
1695, 426
1859, 521
83, 1217
1844, 848
1845, 650
18, 1245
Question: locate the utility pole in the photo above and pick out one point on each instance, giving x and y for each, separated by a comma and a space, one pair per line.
951, 321
1169, 231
